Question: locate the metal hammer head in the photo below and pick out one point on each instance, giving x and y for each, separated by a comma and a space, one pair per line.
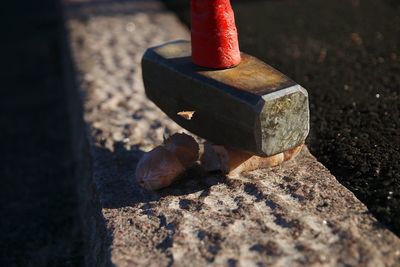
251, 107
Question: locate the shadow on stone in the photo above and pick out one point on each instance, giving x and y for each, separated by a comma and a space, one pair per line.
115, 178
81, 9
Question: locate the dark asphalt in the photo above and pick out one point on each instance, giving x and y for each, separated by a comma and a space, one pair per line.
347, 54
40, 221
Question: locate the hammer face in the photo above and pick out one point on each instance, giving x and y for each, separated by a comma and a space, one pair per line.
251, 107
284, 119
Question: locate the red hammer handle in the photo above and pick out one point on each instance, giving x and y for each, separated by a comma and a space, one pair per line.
214, 34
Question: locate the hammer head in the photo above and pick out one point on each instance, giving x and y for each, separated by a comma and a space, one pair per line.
251, 107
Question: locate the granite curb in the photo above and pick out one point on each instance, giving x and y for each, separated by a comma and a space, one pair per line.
297, 214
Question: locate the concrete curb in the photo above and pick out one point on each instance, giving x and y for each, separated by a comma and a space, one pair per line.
297, 214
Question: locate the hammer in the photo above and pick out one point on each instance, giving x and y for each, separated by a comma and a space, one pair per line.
234, 100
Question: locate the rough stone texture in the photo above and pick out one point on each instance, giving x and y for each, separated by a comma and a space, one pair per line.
296, 214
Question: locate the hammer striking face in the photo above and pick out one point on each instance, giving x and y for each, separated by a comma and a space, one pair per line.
251, 107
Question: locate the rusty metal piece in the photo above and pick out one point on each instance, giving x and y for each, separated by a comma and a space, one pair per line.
251, 107
187, 115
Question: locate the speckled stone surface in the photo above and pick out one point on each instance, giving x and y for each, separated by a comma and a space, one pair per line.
293, 215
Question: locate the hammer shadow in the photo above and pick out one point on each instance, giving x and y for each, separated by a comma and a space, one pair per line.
116, 181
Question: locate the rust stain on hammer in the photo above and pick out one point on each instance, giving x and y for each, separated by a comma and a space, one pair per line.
255, 76
187, 115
